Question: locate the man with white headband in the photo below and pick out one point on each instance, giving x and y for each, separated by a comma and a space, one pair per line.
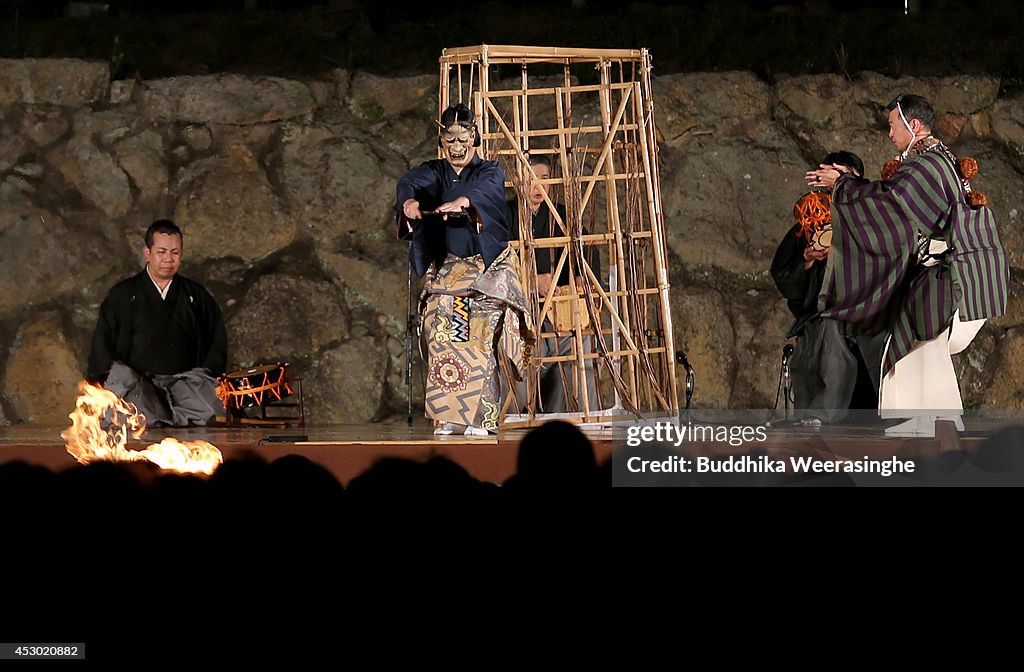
473, 306
915, 260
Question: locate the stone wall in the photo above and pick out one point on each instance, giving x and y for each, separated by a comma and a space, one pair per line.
285, 189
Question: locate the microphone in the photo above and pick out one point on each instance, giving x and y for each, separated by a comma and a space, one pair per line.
786, 352
681, 359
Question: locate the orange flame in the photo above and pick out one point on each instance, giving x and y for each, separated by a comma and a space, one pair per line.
186, 457
101, 423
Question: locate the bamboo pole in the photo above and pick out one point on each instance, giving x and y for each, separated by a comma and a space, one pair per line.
524, 128
500, 52
485, 87
553, 212
510, 136
573, 88
622, 310
610, 131
568, 185
658, 248
527, 267
442, 98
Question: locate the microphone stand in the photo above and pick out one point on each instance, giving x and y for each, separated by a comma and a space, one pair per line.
689, 390
787, 390
410, 334
690, 382
405, 232
787, 383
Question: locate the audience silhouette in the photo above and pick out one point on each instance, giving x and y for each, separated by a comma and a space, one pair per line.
396, 474
556, 455
553, 456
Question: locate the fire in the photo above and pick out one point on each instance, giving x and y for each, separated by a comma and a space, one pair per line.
187, 457
88, 440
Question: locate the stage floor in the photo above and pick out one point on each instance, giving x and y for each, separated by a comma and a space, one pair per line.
348, 450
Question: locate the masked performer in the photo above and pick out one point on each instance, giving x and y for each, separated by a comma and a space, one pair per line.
832, 371
473, 305
160, 338
916, 254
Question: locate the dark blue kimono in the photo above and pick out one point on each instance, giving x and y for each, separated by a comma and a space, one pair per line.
433, 238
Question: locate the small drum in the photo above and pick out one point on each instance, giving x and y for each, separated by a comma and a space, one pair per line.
814, 217
822, 239
569, 310
256, 387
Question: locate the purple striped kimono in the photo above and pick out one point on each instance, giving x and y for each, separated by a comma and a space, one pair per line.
879, 283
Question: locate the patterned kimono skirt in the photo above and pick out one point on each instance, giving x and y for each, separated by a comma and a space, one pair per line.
474, 328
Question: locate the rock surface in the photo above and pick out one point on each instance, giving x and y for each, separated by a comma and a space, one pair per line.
285, 191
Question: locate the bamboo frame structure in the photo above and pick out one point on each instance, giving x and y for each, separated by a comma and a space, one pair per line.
600, 139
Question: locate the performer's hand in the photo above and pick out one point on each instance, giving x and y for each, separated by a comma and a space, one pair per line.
457, 206
543, 283
411, 209
812, 255
825, 176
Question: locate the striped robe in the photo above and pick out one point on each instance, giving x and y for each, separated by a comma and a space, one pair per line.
879, 283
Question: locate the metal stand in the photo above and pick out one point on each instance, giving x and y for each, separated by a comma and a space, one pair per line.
681, 359
787, 379
787, 390
410, 334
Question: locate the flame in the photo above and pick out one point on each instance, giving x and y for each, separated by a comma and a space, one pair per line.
102, 422
187, 457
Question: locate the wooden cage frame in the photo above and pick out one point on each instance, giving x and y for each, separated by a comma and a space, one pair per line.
600, 140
